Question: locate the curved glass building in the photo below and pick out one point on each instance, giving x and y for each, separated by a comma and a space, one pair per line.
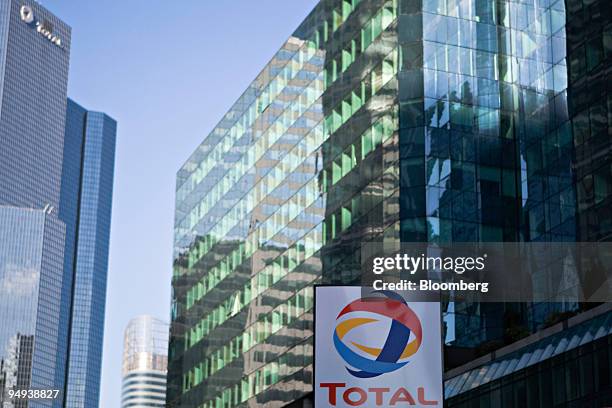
145, 362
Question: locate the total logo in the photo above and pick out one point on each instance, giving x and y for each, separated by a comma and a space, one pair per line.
45, 28
377, 338
396, 349
27, 14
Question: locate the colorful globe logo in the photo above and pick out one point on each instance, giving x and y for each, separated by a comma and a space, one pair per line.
398, 347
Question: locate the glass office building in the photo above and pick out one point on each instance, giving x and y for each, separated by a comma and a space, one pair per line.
33, 86
56, 170
388, 121
96, 133
589, 55
567, 364
145, 363
30, 298
39, 209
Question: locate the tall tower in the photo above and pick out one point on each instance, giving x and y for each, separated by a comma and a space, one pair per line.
37, 199
145, 363
96, 133
56, 173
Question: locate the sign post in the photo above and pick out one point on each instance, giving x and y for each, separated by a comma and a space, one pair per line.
376, 350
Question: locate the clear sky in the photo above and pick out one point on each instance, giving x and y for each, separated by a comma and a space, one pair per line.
166, 71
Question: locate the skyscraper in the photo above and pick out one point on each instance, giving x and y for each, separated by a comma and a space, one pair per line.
33, 332
34, 199
145, 363
56, 170
33, 86
96, 132
391, 121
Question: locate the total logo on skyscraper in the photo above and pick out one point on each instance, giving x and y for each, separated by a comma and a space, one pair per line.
45, 28
27, 14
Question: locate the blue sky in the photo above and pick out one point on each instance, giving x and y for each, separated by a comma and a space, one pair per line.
167, 71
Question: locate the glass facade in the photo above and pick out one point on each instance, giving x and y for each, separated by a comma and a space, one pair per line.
295, 164
580, 378
96, 133
38, 202
488, 141
145, 363
570, 368
30, 296
384, 121
56, 172
589, 55
34, 86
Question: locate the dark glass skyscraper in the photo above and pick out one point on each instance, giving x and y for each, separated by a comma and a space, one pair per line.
589, 56
56, 170
396, 121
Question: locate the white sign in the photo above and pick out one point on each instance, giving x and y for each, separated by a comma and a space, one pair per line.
377, 350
